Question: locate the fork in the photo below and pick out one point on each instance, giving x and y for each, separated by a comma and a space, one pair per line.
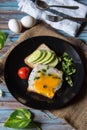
53, 18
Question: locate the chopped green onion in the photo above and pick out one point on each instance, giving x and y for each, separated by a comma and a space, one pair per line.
68, 68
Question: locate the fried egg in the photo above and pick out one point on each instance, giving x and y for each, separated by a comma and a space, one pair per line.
45, 80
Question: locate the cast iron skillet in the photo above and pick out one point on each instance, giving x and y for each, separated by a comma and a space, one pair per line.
18, 87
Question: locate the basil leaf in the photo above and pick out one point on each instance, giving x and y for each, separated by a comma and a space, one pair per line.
19, 119
2, 39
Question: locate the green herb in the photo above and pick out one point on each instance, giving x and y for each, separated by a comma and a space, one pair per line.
69, 80
47, 67
21, 118
49, 74
55, 77
68, 68
38, 71
36, 78
43, 73
43, 70
2, 39
45, 86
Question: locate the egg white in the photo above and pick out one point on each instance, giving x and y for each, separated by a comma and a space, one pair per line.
49, 70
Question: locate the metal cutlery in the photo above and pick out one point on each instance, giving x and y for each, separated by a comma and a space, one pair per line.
53, 18
42, 5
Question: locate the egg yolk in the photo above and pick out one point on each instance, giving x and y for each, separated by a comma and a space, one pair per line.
45, 84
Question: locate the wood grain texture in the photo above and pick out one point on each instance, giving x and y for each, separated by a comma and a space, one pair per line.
8, 10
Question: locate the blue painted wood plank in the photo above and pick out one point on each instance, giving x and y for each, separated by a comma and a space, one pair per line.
6, 16
11, 105
3, 1
6, 97
8, 8
3, 87
83, 1
9, 4
83, 34
11, 12
84, 39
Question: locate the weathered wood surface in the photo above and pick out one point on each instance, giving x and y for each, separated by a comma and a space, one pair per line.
8, 10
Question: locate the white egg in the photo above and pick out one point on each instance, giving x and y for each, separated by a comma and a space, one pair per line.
15, 25
28, 21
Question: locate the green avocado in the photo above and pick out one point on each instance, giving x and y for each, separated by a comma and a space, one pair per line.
54, 62
43, 54
34, 56
50, 59
47, 57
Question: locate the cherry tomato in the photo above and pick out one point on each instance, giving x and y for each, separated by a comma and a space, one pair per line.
23, 72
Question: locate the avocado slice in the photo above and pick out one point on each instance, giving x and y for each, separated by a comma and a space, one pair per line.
54, 62
43, 54
34, 56
47, 57
50, 59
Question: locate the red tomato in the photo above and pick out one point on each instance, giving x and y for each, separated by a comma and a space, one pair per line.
23, 72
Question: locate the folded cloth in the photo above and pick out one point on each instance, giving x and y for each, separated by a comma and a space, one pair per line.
68, 26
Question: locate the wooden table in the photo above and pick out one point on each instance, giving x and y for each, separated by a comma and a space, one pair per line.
8, 10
